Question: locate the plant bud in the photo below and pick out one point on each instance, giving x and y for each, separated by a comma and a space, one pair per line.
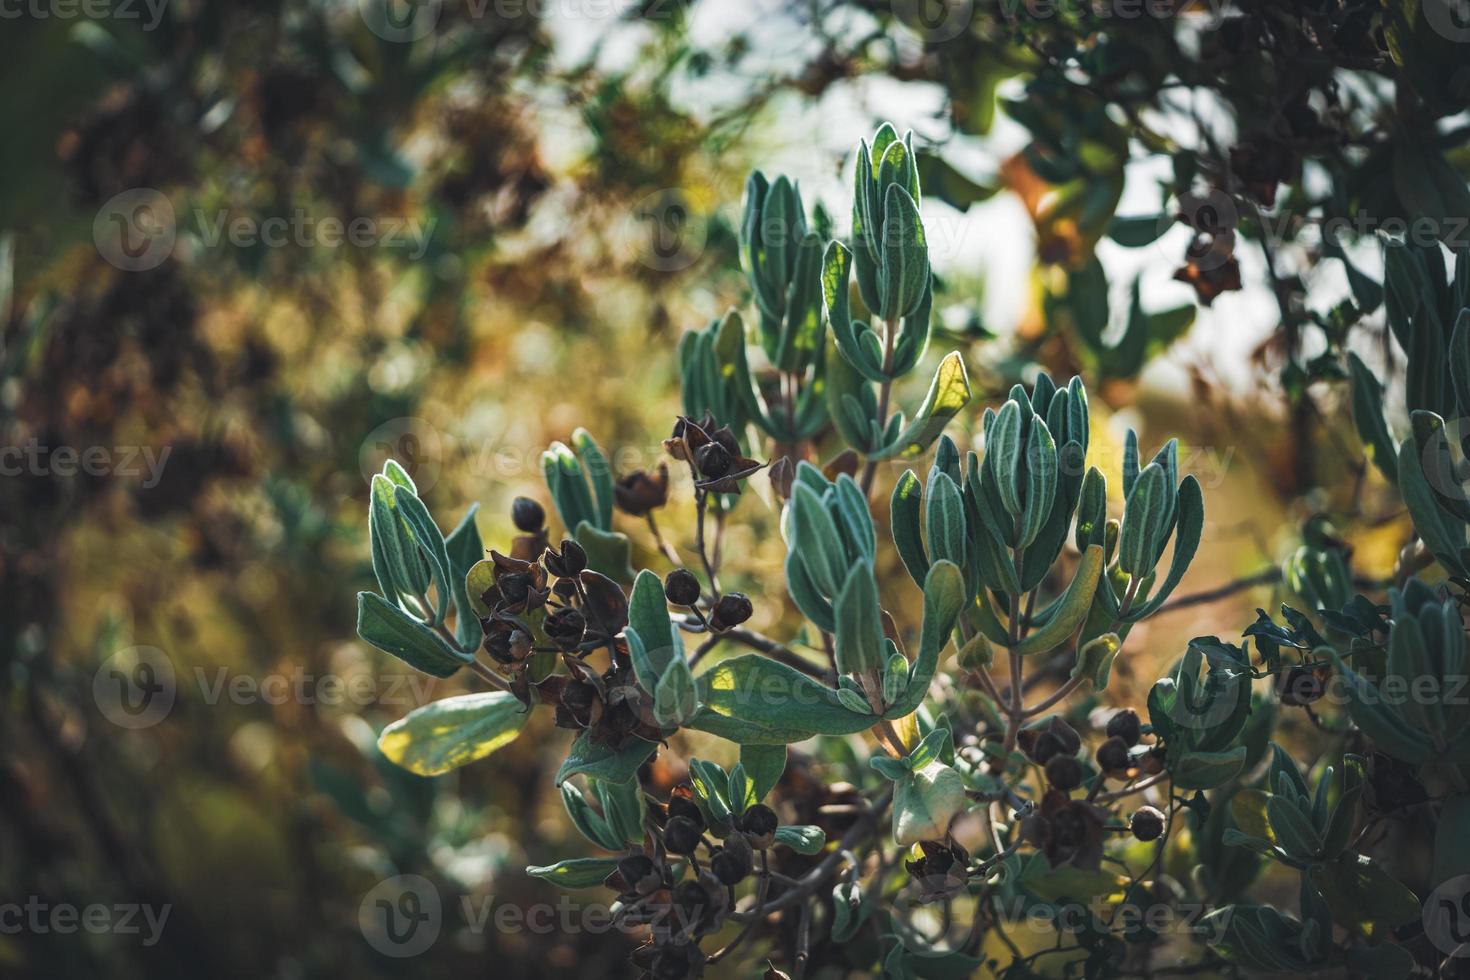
759, 824
1125, 725
527, 514
713, 460
681, 587
1112, 755
733, 609
1064, 772
1147, 823
1039, 746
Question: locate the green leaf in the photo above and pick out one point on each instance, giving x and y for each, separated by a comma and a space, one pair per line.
576, 873
859, 638
453, 732
602, 761
756, 700
1363, 897
600, 473
465, 549
1145, 516
1293, 828
944, 520
1206, 770
1136, 231
394, 631
904, 267
1072, 608
924, 803
904, 510
801, 838
944, 597
648, 615
815, 540
1003, 456
1367, 407
949, 393
390, 565
1095, 659
853, 701
587, 820
1041, 481
764, 765
675, 699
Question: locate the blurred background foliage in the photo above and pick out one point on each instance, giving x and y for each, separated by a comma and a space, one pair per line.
1146, 199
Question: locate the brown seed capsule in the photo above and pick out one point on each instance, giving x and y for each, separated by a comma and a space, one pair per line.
527, 514
1112, 755
1302, 686
759, 823
682, 835
681, 587
566, 627
713, 460
1147, 823
682, 806
733, 609
639, 873
568, 562
1064, 772
731, 867
1040, 747
1125, 725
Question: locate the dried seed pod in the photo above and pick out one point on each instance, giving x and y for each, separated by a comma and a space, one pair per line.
1125, 725
733, 609
713, 460
681, 587
1064, 772
682, 835
1112, 755
1147, 823
568, 562
527, 515
759, 823
566, 627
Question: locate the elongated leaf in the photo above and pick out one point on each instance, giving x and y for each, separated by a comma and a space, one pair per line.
1367, 407
905, 511
859, 639
944, 597
648, 614
465, 549
675, 699
453, 732
1072, 608
1144, 515
801, 838
944, 520
815, 540
756, 700
1363, 897
576, 872
431, 540
394, 631
603, 761
949, 393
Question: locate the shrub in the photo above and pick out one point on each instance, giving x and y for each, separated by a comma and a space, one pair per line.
828, 846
